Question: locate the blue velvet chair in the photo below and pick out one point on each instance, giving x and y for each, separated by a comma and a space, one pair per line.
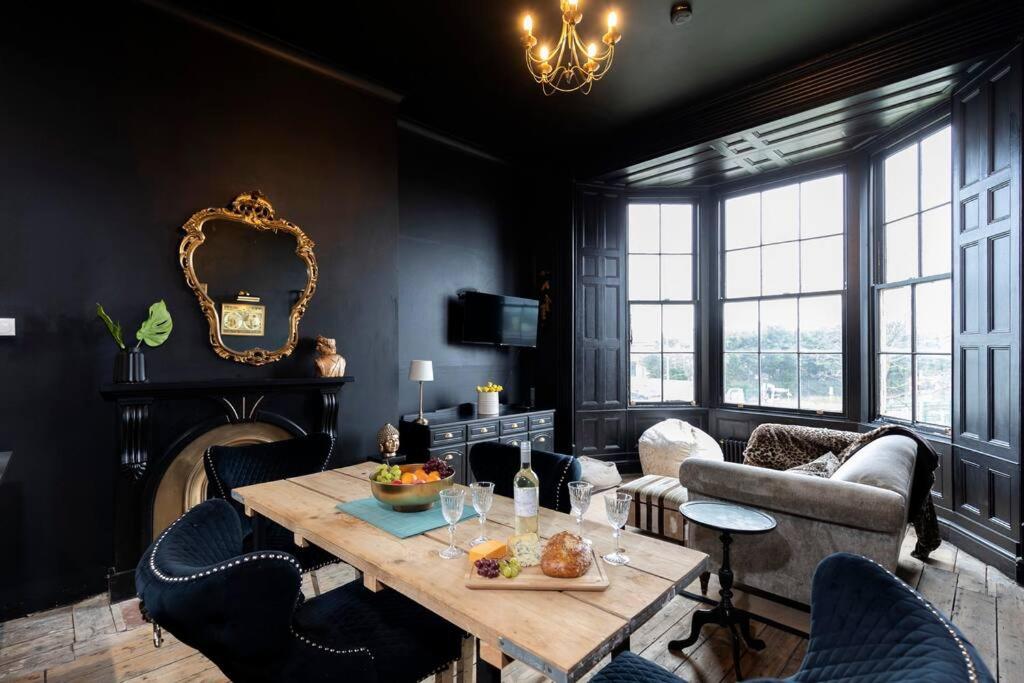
867, 626
491, 461
230, 467
245, 612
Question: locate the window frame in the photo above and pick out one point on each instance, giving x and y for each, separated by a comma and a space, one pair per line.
761, 185
694, 200
918, 131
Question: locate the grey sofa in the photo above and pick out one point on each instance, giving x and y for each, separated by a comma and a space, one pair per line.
861, 509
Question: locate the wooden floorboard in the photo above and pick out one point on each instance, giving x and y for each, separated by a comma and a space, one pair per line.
96, 641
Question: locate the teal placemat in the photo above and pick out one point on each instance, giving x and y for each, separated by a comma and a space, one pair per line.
401, 524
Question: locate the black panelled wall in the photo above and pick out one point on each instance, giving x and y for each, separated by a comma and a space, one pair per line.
116, 126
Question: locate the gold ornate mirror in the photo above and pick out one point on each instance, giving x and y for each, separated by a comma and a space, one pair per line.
254, 277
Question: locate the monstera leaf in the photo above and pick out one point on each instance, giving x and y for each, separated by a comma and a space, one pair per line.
114, 328
157, 327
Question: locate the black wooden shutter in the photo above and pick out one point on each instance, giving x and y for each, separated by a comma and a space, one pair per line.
600, 320
986, 292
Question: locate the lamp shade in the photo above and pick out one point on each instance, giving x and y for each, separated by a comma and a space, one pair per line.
421, 371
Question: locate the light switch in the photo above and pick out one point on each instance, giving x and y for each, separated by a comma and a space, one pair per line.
6, 327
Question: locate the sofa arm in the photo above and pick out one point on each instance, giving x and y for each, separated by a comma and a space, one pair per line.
837, 502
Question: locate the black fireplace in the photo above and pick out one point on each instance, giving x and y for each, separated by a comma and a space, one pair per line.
163, 429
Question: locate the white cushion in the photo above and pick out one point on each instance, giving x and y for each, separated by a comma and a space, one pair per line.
603, 475
665, 446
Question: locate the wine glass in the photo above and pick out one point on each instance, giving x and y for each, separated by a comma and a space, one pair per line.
483, 496
452, 500
616, 506
579, 498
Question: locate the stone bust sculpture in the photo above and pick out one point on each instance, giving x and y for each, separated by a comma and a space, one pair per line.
328, 362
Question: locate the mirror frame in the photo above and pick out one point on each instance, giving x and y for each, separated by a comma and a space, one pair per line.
254, 210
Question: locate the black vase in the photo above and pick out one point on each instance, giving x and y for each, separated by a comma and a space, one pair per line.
130, 366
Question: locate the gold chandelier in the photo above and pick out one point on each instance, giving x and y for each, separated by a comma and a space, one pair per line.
571, 66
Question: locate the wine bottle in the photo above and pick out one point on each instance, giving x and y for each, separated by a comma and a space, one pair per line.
526, 493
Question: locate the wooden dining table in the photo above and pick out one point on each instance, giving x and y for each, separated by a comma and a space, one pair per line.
561, 634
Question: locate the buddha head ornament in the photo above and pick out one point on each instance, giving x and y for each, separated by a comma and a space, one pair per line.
387, 441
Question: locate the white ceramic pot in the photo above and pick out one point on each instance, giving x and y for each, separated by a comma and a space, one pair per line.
487, 402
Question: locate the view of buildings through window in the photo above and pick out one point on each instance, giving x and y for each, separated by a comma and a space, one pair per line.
783, 283
914, 304
661, 302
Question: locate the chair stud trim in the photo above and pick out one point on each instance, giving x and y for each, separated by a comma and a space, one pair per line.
216, 477
332, 650
972, 674
565, 472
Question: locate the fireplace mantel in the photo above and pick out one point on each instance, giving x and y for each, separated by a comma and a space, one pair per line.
134, 402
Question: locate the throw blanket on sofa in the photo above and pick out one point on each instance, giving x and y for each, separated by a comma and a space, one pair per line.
780, 447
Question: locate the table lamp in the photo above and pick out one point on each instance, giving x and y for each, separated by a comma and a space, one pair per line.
421, 371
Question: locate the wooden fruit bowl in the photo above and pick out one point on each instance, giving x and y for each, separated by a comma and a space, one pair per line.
410, 497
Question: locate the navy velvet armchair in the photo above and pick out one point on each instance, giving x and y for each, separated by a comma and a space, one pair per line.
491, 461
867, 626
245, 612
230, 467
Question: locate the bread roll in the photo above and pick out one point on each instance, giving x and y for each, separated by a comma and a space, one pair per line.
565, 556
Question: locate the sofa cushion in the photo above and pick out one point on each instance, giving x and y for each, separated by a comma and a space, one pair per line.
886, 463
822, 466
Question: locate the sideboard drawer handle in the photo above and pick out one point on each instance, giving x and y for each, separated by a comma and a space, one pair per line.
514, 425
542, 421
514, 442
448, 435
541, 439
484, 430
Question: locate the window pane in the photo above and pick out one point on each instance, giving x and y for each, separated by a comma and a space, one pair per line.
739, 326
821, 206
643, 278
645, 377
821, 323
643, 228
936, 169
741, 378
934, 377
901, 183
645, 328
932, 317
901, 250
780, 214
935, 247
894, 320
742, 273
677, 278
677, 228
778, 380
821, 264
821, 382
678, 328
678, 376
743, 221
778, 325
780, 272
894, 387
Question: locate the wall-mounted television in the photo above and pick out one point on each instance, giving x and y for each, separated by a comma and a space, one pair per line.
496, 319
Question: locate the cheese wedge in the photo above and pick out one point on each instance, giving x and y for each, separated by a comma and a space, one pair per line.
492, 550
526, 549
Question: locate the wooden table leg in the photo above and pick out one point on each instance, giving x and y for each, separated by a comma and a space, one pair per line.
487, 658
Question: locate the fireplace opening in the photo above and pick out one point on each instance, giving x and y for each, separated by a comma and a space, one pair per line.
184, 483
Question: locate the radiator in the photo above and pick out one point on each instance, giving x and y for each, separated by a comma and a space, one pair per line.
733, 449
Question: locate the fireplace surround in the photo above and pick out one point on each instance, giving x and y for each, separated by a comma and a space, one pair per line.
163, 429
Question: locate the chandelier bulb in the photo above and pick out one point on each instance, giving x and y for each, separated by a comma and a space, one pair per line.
528, 24
613, 20
544, 54
592, 50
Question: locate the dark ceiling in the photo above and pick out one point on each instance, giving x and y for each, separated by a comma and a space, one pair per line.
460, 67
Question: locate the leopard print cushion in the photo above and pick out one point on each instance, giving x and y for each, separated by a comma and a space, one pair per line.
824, 466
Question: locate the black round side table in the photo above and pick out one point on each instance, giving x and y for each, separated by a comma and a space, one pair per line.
728, 519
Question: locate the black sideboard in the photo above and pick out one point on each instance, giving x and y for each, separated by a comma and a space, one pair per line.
451, 432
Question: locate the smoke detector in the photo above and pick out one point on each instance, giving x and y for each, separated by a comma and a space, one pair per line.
681, 12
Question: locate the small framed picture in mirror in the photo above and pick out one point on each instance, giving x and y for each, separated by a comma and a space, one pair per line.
243, 318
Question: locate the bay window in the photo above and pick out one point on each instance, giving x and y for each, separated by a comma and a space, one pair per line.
783, 282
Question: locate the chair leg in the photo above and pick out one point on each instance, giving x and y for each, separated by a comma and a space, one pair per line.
316, 582
705, 580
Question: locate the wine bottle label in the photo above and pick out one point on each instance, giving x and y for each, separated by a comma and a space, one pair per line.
526, 499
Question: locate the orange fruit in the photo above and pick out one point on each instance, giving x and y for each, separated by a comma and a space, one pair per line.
420, 474
433, 476
408, 478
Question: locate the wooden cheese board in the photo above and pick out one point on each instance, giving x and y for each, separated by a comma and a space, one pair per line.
533, 579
